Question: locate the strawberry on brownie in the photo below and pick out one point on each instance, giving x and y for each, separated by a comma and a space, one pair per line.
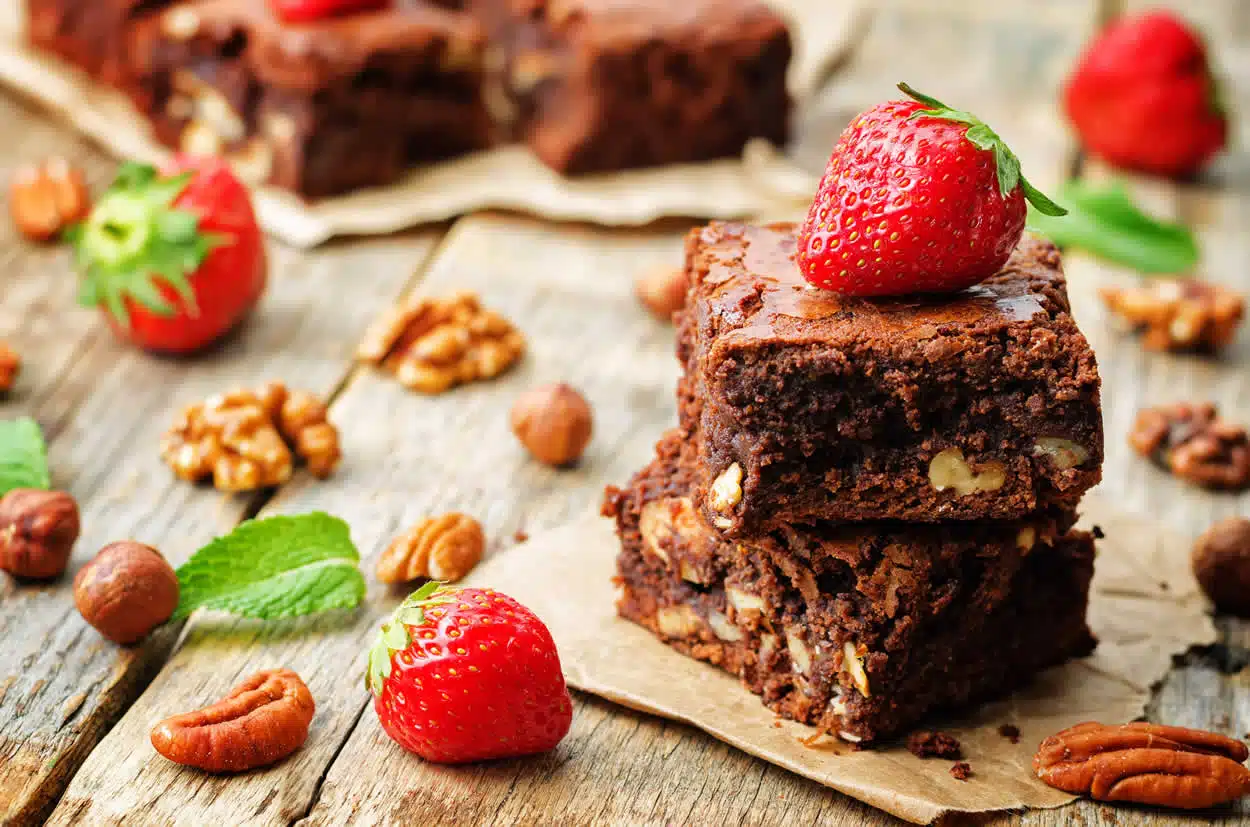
888, 418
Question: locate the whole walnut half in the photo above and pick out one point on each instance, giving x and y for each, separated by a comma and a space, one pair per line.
1221, 562
553, 422
38, 530
126, 591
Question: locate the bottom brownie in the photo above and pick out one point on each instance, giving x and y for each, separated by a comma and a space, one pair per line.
860, 630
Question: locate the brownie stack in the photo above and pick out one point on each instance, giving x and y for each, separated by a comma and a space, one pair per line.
867, 509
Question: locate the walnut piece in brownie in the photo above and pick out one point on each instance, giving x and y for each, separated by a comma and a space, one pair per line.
1179, 314
933, 744
983, 404
595, 85
1192, 442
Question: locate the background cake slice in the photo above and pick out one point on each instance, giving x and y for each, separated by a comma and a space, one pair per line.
859, 629
983, 404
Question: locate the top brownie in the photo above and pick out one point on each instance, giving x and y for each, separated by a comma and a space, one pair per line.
809, 405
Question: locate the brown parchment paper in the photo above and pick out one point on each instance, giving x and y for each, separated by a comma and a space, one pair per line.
1145, 606
763, 180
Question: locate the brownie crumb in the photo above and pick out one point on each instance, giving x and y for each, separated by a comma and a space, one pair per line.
520, 536
1011, 732
926, 744
962, 770
1098, 532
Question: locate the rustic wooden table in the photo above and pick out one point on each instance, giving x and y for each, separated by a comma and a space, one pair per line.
75, 711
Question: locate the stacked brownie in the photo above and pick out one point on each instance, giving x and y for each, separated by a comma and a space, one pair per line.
867, 510
356, 100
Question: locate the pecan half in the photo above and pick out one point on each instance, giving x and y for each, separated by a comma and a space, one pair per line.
443, 548
262, 720
1164, 766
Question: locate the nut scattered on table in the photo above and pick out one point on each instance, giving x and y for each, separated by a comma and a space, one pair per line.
1221, 563
662, 290
1179, 314
47, 197
126, 591
10, 366
38, 530
262, 720
432, 345
1194, 443
1163, 766
554, 423
442, 548
248, 439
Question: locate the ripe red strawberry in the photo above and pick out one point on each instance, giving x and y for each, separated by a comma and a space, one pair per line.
174, 257
464, 675
305, 11
1142, 97
917, 198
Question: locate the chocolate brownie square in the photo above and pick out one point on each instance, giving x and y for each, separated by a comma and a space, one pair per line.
808, 405
318, 108
859, 629
595, 85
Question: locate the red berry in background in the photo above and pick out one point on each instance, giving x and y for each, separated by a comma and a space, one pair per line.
463, 675
917, 198
1143, 98
305, 11
174, 258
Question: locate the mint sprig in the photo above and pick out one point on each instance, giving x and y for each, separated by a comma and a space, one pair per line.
23, 456
135, 241
982, 137
273, 568
1103, 221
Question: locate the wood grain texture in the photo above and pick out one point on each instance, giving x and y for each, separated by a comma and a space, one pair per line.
409, 456
103, 406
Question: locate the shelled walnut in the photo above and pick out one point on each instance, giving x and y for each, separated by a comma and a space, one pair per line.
1195, 444
10, 366
249, 439
433, 344
1183, 314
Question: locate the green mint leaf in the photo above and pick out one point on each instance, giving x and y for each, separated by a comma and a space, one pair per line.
1103, 221
275, 567
980, 135
23, 456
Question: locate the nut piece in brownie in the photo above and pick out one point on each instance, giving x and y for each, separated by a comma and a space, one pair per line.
982, 404
317, 108
594, 85
861, 630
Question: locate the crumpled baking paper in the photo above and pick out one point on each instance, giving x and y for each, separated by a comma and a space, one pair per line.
1144, 606
506, 178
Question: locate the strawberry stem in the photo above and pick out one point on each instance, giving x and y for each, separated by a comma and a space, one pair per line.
979, 133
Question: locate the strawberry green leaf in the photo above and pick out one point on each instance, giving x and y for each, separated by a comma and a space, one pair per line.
1104, 221
276, 567
135, 243
394, 635
980, 135
23, 456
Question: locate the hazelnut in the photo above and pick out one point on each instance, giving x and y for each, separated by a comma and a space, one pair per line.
37, 532
553, 422
1221, 563
46, 198
126, 591
662, 290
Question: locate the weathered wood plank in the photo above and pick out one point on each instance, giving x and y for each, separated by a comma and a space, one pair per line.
407, 456
104, 406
